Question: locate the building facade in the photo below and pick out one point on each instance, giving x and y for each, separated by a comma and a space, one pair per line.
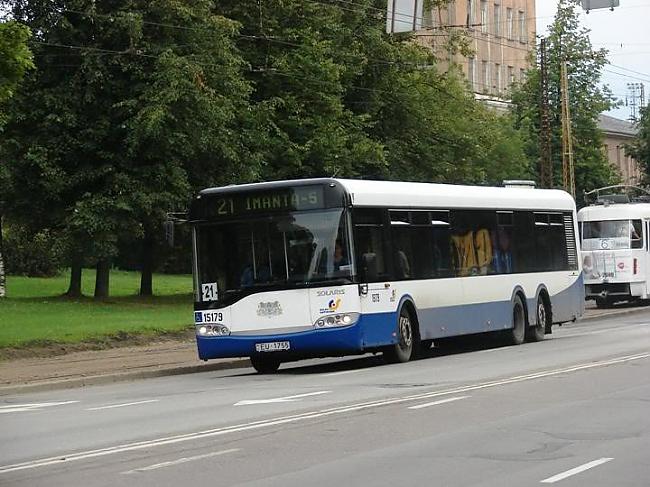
501, 35
616, 134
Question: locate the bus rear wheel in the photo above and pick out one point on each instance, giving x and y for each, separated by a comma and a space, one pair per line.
536, 332
517, 334
265, 365
407, 339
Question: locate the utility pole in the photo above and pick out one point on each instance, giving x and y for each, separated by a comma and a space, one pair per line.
545, 162
568, 177
635, 99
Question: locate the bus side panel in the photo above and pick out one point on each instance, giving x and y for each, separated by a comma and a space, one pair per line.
464, 319
378, 329
569, 303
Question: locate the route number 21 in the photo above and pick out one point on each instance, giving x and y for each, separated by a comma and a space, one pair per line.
209, 291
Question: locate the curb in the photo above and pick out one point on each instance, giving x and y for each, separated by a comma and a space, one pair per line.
111, 378
613, 312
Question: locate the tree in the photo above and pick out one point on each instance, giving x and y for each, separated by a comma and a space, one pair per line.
134, 103
567, 41
345, 98
639, 148
15, 60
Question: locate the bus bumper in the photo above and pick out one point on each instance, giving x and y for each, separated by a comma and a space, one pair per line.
370, 332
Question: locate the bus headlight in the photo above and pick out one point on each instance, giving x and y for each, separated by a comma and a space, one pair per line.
342, 319
213, 330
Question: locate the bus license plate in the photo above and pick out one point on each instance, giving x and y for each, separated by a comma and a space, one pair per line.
272, 346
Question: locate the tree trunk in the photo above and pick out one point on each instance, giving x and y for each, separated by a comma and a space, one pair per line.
3, 287
101, 279
146, 279
74, 289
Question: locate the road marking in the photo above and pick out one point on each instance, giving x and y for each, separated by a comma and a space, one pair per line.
297, 397
435, 403
180, 461
606, 330
254, 425
17, 408
113, 406
343, 372
574, 471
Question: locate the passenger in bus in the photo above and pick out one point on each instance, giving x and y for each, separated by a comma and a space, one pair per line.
340, 259
403, 268
483, 248
502, 258
464, 254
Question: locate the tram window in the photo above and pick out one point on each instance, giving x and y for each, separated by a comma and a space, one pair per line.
636, 234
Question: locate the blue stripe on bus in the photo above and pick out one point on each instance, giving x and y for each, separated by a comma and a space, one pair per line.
380, 329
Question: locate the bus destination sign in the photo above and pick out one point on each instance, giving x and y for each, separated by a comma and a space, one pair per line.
285, 199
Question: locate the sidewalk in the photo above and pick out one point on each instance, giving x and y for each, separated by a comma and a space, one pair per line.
139, 362
105, 366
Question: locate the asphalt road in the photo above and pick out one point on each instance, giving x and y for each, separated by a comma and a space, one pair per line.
572, 410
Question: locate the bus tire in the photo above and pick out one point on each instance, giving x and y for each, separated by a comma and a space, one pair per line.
536, 331
517, 334
265, 365
407, 339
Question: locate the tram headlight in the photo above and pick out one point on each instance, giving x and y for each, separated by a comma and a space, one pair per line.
213, 330
341, 319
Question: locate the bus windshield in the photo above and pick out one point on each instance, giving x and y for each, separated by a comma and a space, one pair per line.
297, 248
619, 234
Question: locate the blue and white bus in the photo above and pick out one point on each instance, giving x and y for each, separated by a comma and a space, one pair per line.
330, 267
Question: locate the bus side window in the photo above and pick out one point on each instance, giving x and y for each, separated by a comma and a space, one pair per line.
369, 244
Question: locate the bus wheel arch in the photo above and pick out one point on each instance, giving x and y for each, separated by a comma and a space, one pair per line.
408, 335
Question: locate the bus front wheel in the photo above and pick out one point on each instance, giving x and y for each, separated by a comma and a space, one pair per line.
265, 365
516, 335
407, 339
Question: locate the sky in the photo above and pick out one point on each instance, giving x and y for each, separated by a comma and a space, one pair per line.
625, 33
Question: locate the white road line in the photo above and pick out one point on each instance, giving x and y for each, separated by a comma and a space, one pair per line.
343, 372
574, 471
254, 425
113, 406
297, 397
606, 330
17, 408
435, 403
180, 461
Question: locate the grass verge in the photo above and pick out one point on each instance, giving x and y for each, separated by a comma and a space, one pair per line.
37, 315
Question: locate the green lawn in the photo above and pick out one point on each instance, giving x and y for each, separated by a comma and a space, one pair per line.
35, 313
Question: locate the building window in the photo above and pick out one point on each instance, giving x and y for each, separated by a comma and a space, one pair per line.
471, 72
485, 79
511, 75
497, 19
509, 23
471, 13
523, 35
522, 75
484, 16
497, 77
